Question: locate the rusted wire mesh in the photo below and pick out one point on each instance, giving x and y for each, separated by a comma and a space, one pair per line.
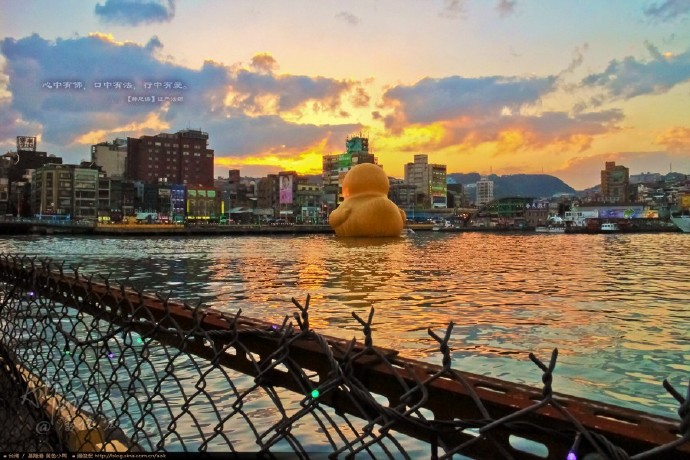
98, 366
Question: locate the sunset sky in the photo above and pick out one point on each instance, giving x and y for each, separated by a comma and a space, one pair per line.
502, 86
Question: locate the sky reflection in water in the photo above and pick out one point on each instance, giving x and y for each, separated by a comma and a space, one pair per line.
616, 306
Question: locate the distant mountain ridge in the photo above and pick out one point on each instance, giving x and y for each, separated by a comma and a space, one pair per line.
527, 185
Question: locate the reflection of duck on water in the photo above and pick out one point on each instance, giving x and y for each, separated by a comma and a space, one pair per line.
368, 242
367, 211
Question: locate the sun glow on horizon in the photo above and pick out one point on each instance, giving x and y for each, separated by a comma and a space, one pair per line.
309, 161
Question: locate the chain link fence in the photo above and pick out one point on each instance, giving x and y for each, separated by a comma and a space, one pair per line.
91, 365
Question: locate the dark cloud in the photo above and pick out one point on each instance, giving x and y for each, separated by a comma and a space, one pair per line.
360, 98
506, 7
452, 8
264, 62
348, 17
61, 116
470, 112
241, 135
432, 99
668, 10
291, 91
628, 78
578, 58
35, 67
135, 12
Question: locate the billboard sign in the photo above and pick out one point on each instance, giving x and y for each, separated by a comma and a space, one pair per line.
26, 143
285, 189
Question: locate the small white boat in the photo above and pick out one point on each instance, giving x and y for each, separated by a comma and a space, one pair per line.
609, 227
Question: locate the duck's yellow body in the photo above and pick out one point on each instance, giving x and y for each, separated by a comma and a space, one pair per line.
366, 210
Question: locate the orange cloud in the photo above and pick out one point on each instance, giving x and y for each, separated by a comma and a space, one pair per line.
676, 139
152, 122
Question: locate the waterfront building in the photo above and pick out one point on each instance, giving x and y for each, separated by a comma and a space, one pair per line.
458, 194
65, 190
4, 185
20, 166
104, 198
202, 204
178, 200
111, 157
615, 181
286, 194
430, 180
154, 198
85, 186
485, 191
577, 216
536, 213
238, 194
336, 166
180, 158
308, 199
511, 211
267, 192
402, 194
122, 197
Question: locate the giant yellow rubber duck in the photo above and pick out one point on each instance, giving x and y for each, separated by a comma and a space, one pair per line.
366, 210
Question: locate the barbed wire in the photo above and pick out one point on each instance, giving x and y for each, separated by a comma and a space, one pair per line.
106, 367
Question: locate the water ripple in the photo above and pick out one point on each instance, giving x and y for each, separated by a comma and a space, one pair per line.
616, 306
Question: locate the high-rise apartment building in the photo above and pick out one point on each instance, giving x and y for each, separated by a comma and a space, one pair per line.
430, 181
485, 191
111, 157
615, 181
181, 158
336, 166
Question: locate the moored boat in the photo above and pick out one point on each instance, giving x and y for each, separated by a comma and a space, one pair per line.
550, 229
609, 227
682, 221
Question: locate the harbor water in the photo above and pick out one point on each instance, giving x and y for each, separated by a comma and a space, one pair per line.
616, 306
